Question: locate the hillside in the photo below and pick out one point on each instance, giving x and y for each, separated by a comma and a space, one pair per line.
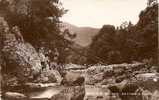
84, 34
131, 43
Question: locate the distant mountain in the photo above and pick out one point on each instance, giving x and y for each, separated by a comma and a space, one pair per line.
84, 34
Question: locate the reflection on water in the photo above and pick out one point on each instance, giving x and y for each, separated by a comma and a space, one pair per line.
92, 90
96, 93
47, 93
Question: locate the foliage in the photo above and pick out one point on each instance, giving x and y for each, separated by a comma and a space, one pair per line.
38, 21
151, 2
128, 42
103, 43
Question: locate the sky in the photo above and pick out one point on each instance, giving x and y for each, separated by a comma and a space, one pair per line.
96, 13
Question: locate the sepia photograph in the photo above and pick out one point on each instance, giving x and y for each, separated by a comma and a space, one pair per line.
79, 50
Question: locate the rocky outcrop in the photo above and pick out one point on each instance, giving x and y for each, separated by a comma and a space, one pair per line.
21, 57
23, 64
148, 16
113, 73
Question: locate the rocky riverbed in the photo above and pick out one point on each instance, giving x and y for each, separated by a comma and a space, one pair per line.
140, 85
26, 75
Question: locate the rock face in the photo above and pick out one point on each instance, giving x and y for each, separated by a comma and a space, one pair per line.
20, 56
22, 59
22, 64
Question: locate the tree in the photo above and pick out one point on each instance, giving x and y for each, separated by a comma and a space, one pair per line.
129, 42
103, 43
38, 21
68, 35
151, 2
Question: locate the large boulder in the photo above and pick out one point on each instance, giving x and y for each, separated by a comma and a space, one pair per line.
72, 79
49, 76
149, 81
21, 57
75, 88
143, 87
94, 79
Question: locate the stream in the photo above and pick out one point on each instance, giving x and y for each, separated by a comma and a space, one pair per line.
50, 91
45, 93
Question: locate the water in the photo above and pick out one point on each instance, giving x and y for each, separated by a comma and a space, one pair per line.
50, 91
47, 93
